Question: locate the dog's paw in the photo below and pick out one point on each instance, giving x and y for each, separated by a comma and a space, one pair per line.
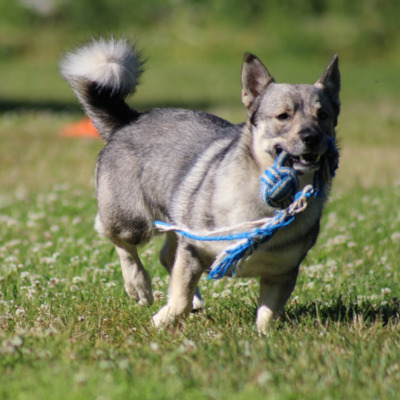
198, 303
143, 296
264, 317
163, 317
147, 301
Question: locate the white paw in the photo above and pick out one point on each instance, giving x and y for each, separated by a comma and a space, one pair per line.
147, 301
163, 317
264, 316
198, 303
143, 295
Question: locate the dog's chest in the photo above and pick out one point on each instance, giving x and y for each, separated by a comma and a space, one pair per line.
279, 254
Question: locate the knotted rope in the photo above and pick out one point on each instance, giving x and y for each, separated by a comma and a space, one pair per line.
278, 189
279, 183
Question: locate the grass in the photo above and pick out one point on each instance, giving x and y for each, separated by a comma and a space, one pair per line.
68, 330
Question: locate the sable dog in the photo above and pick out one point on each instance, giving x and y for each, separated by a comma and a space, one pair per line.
196, 170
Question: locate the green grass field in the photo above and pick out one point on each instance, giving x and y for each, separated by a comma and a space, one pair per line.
67, 328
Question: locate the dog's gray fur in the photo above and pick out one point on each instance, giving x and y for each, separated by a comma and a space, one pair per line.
197, 170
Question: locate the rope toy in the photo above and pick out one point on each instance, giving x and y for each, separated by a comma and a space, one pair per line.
278, 186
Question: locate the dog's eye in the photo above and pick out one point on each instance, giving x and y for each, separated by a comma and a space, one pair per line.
322, 115
283, 116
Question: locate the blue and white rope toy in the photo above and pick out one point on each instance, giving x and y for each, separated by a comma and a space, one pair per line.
279, 184
278, 189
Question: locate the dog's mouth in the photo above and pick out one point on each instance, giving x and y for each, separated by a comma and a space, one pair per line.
302, 163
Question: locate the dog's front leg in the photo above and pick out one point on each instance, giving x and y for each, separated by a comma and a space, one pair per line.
274, 294
167, 258
185, 275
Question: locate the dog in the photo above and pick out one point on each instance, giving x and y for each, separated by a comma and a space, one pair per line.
197, 170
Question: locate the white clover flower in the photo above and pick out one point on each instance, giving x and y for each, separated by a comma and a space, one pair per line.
13, 243
54, 281
328, 288
157, 282
226, 293
76, 279
16, 341
124, 364
25, 275
8, 348
54, 228
395, 237
154, 346
187, 345
310, 285
20, 311
44, 308
77, 220
263, 378
80, 378
158, 295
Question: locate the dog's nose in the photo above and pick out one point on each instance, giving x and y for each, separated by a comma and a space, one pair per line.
310, 138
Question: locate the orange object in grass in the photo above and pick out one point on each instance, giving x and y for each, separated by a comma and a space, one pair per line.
83, 128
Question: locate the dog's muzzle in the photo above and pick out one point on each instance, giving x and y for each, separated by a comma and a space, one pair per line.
302, 163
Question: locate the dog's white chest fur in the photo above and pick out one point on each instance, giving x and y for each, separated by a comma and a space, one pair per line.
280, 254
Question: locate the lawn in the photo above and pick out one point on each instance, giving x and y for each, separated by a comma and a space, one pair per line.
67, 328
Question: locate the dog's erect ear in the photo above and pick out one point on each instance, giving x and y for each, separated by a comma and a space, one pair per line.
255, 79
330, 81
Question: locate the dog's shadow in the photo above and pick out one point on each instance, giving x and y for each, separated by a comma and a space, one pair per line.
365, 311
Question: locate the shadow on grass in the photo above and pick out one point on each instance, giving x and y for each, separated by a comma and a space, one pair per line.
38, 105
336, 310
74, 107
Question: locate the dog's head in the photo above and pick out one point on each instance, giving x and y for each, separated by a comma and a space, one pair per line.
299, 119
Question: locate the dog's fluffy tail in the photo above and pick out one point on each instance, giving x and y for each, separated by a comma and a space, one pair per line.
102, 74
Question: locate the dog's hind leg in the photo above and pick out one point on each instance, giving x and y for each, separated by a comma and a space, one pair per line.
167, 258
136, 279
185, 275
167, 253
